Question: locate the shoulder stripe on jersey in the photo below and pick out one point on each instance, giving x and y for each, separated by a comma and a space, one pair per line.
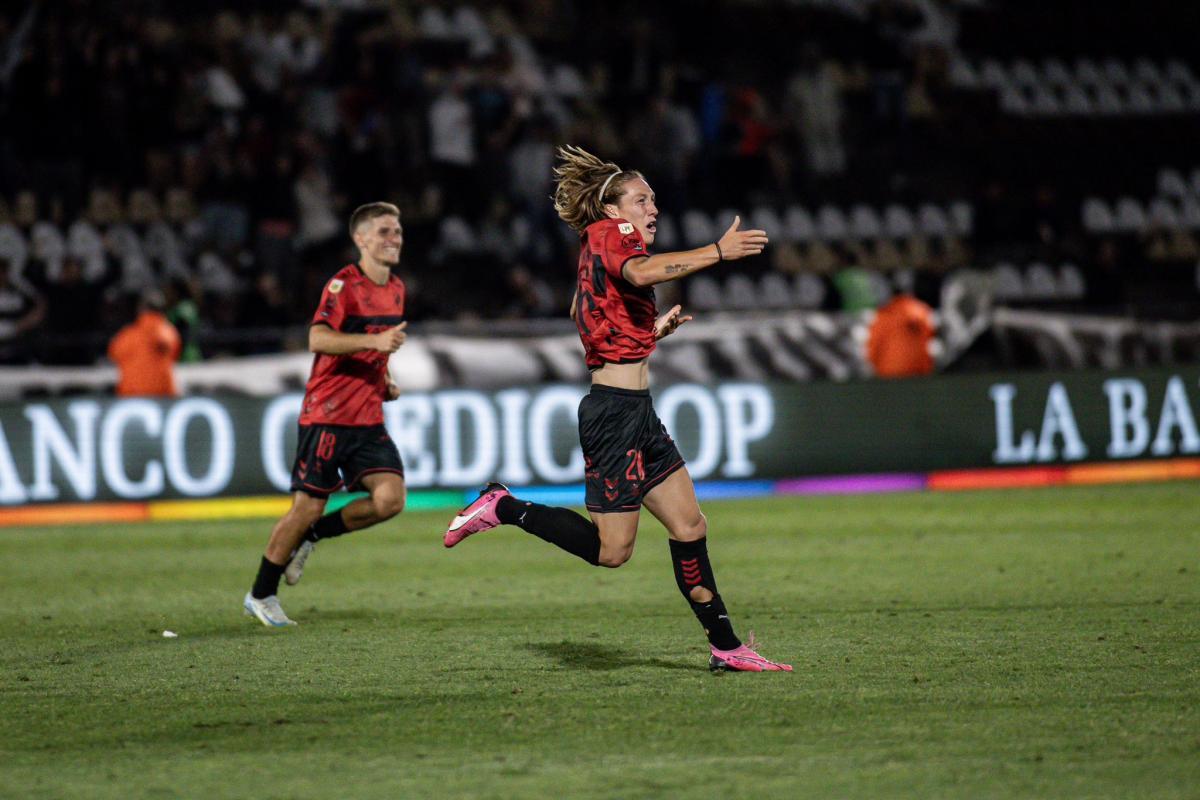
358, 324
599, 278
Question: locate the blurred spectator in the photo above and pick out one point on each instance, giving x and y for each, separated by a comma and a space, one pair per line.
899, 338
665, 135
22, 310
929, 84
497, 116
37, 245
452, 145
814, 103
316, 204
745, 133
893, 22
859, 289
161, 248
145, 351
531, 171
184, 313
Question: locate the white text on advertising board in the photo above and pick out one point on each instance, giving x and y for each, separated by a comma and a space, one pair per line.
139, 449
1131, 423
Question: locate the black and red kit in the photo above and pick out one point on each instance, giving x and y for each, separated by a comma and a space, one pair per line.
350, 389
614, 317
342, 437
627, 450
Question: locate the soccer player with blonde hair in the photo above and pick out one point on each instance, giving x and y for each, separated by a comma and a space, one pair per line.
630, 460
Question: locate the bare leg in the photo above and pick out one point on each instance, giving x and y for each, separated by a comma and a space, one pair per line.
673, 503
618, 531
387, 498
291, 527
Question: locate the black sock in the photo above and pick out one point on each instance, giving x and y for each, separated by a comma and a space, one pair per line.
327, 527
562, 527
267, 582
692, 569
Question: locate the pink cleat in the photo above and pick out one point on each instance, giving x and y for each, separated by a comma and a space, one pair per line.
477, 517
743, 659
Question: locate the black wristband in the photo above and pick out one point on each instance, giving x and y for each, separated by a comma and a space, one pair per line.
720, 255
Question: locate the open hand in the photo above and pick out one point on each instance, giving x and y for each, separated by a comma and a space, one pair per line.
668, 322
737, 244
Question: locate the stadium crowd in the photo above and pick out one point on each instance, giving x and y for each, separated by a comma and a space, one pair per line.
214, 150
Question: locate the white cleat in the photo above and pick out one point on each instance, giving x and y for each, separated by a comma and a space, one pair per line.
267, 610
295, 567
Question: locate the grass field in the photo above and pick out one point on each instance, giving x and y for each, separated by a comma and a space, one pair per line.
1038, 643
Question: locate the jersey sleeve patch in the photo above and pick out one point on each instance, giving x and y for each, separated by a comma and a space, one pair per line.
332, 309
620, 246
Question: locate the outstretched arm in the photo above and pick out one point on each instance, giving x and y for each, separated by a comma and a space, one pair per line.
324, 339
733, 245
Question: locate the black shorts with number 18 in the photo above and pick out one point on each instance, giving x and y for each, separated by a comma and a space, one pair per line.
331, 456
626, 448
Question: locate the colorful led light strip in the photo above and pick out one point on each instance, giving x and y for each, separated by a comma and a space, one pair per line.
941, 480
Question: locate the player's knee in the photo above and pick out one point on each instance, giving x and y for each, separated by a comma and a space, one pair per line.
307, 515
613, 557
389, 504
693, 530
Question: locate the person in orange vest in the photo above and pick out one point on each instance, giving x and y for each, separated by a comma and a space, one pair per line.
899, 338
145, 351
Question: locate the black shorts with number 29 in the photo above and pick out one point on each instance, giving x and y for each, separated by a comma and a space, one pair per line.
626, 448
329, 457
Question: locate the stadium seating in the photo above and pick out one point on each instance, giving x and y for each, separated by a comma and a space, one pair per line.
1113, 87
910, 118
1175, 205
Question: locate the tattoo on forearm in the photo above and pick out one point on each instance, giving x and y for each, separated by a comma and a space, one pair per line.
676, 269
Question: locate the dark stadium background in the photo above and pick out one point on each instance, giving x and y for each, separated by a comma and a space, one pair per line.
215, 149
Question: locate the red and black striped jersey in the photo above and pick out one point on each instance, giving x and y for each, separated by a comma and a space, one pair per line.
350, 389
614, 317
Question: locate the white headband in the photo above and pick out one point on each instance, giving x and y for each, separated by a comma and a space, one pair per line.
604, 188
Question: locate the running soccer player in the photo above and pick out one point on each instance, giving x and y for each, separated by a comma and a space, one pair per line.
357, 326
629, 458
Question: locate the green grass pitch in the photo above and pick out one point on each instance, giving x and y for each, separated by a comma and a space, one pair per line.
1038, 643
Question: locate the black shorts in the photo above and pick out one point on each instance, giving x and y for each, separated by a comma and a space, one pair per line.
626, 449
331, 456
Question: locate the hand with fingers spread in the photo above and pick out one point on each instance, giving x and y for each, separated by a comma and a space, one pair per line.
735, 244
668, 322
389, 341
